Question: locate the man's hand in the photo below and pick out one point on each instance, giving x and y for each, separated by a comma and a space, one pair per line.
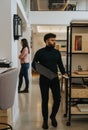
66, 76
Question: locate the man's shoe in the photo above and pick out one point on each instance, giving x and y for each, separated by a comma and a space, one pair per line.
25, 91
53, 121
19, 91
45, 125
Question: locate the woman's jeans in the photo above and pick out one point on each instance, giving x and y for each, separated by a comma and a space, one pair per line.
24, 73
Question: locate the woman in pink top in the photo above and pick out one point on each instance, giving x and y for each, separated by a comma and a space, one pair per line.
24, 61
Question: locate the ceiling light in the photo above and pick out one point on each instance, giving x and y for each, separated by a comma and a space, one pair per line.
58, 29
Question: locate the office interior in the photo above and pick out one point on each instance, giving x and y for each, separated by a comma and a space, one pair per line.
37, 18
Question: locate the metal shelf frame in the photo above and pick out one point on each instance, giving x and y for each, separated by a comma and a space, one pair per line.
70, 53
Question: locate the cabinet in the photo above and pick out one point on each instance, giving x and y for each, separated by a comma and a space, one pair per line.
77, 69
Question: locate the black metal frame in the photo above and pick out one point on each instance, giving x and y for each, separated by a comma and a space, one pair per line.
17, 27
68, 98
66, 80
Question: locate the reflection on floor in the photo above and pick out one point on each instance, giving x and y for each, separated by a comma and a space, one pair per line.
30, 117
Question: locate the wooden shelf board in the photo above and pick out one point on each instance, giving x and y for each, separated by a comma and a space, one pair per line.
79, 75
75, 110
79, 92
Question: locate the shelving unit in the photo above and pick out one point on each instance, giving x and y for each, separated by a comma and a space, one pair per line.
77, 69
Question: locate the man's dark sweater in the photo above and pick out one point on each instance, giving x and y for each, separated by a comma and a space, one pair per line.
50, 58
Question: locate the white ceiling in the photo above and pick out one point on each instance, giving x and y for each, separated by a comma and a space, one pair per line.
47, 28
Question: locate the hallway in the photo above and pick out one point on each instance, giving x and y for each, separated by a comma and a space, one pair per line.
30, 117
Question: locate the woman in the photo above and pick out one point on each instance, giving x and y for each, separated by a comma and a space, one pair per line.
24, 61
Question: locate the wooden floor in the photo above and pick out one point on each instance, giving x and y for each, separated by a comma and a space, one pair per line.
35, 73
30, 117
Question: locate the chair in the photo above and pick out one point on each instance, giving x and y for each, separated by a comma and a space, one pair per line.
8, 82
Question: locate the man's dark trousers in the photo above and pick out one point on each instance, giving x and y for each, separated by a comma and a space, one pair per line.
54, 85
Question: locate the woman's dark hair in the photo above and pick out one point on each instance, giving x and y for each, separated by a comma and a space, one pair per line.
49, 35
25, 44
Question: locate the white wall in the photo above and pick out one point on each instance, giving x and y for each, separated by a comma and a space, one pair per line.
5, 29
14, 42
7, 43
56, 17
14, 56
8, 47
21, 11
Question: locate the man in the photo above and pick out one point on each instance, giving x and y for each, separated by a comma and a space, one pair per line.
49, 58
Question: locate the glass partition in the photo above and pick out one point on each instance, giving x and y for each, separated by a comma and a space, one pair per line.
24, 2
59, 5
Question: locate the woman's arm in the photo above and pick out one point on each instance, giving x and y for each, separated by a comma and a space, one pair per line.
24, 53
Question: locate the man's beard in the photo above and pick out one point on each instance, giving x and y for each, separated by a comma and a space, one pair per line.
51, 45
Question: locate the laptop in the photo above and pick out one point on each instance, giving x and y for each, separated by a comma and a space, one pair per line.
45, 71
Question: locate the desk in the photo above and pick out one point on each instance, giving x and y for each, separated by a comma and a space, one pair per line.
5, 64
3, 70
